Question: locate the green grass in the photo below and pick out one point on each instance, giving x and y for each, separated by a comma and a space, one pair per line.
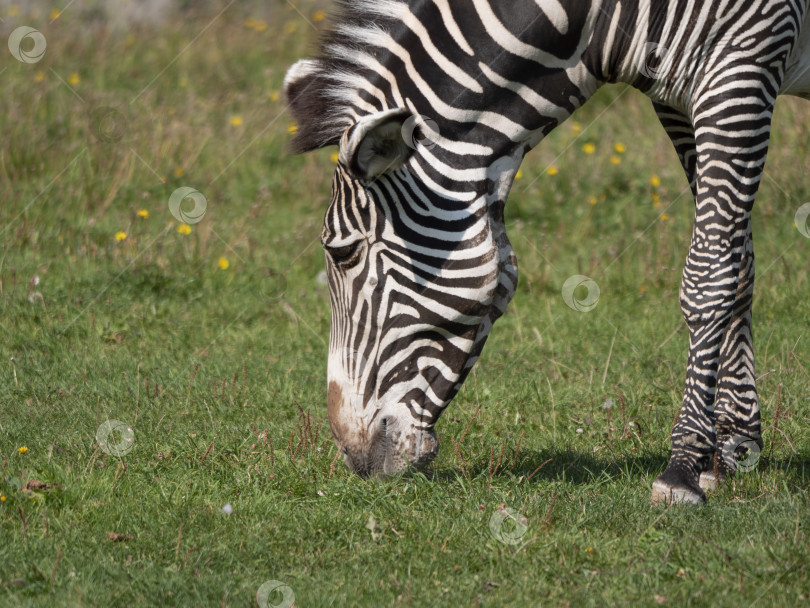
221, 373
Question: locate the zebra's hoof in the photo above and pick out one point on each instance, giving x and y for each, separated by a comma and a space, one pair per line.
667, 490
710, 481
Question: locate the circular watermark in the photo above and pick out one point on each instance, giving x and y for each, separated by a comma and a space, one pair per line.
107, 124
741, 454
420, 131
105, 435
802, 215
196, 214
354, 363
270, 284
508, 533
275, 594
586, 304
652, 60
20, 37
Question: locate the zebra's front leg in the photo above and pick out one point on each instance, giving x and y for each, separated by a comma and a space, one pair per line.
716, 299
736, 410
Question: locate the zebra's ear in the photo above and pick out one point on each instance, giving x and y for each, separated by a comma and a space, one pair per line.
375, 144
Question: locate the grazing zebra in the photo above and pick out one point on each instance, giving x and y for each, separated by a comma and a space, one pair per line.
433, 105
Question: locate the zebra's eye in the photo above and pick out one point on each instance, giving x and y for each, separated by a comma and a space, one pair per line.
345, 253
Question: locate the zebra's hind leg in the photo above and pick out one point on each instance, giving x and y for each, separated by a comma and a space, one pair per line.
731, 145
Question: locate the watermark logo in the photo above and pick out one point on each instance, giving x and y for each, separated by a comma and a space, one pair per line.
115, 438
508, 526
275, 594
420, 131
28, 37
107, 124
741, 454
582, 304
652, 60
354, 363
270, 284
195, 215
802, 215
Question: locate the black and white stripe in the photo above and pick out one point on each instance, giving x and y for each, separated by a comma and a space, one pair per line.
434, 104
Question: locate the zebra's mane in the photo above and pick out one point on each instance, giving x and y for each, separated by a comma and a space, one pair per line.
320, 100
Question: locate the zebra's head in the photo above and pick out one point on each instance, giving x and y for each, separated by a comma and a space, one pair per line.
418, 267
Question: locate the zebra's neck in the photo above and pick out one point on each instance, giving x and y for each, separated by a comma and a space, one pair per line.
468, 79
461, 64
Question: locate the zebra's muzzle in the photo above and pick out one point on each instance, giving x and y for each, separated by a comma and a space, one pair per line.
390, 452
386, 445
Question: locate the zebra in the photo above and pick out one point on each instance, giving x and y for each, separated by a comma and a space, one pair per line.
433, 105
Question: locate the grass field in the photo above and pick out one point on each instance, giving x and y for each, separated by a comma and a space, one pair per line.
208, 340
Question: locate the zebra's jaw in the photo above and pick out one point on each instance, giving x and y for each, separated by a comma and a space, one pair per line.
501, 175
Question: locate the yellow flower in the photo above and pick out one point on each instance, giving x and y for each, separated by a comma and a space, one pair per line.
179, 172
589, 148
334, 157
223, 263
13, 10
619, 148
184, 229
552, 170
120, 235
236, 120
656, 197
55, 14
73, 79
2, 499
589, 550
655, 181
292, 127
274, 96
576, 127
144, 213
290, 27
519, 174
615, 160
22, 449
318, 16
592, 200
39, 76
260, 25
664, 217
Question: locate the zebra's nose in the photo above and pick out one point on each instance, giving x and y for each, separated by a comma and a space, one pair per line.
390, 452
